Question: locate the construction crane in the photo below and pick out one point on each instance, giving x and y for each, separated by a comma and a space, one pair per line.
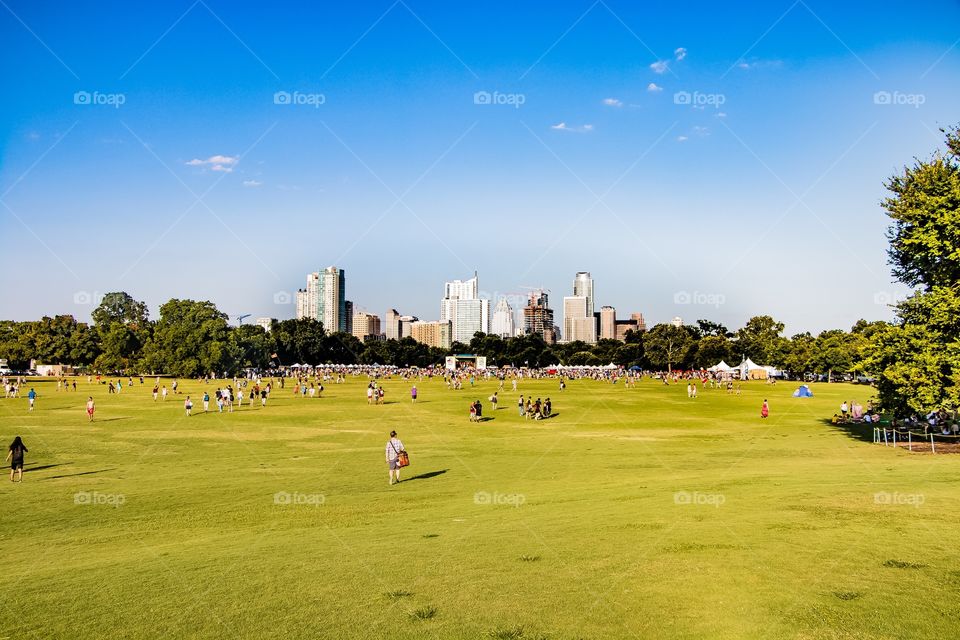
241, 317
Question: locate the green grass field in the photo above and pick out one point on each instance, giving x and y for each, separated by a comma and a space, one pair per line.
632, 513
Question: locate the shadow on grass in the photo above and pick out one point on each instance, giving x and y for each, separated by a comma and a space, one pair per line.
427, 475
111, 419
45, 466
82, 473
861, 431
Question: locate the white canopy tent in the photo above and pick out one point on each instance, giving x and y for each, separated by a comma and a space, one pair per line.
720, 367
750, 369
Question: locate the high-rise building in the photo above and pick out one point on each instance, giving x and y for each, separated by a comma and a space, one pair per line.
538, 317
504, 322
639, 321
405, 322
432, 334
608, 323
348, 306
583, 286
366, 326
391, 328
577, 324
324, 299
462, 307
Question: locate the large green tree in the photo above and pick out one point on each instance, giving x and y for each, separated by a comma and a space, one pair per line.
917, 360
190, 339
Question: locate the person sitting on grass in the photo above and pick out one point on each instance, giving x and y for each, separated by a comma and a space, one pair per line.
15, 455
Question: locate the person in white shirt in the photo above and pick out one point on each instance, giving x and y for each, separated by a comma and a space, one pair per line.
393, 449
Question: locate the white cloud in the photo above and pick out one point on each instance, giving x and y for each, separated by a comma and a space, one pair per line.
562, 126
701, 131
252, 183
722, 115
660, 66
653, 87
680, 53
216, 163
682, 138
612, 102
759, 64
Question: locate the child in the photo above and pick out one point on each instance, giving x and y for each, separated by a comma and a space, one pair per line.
188, 406
90, 408
15, 455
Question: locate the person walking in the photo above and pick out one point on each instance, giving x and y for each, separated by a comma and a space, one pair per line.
520, 406
15, 456
188, 406
413, 393
206, 401
765, 409
393, 449
31, 398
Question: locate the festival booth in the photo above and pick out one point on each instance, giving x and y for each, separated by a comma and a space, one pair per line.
720, 367
750, 370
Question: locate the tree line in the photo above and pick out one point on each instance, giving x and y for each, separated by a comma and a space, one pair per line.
193, 338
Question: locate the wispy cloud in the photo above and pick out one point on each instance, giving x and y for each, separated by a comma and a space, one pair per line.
682, 138
215, 163
563, 126
660, 66
612, 102
653, 87
252, 183
679, 53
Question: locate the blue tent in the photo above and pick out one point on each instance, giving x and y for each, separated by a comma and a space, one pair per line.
803, 392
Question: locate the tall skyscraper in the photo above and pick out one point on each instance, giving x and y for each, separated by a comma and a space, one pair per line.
324, 299
462, 307
391, 328
504, 323
577, 324
608, 323
640, 322
405, 323
583, 286
538, 317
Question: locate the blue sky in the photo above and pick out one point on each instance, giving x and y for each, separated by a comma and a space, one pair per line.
729, 156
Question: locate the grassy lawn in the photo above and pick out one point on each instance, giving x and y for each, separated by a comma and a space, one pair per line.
632, 513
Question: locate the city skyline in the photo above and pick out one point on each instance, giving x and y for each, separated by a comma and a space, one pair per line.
723, 168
